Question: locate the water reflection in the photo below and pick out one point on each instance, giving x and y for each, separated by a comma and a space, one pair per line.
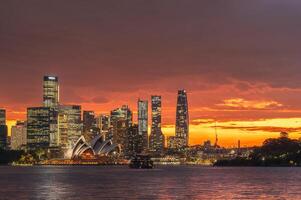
182, 182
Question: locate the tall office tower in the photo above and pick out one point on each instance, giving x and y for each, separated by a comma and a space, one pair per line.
2, 117
3, 137
182, 117
134, 141
50, 91
143, 122
3, 130
120, 120
156, 138
89, 121
42, 127
103, 123
18, 135
69, 125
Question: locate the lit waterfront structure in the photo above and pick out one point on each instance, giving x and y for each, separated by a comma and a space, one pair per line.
134, 141
182, 117
50, 91
97, 147
156, 138
103, 123
69, 125
2, 117
120, 120
18, 135
42, 127
143, 122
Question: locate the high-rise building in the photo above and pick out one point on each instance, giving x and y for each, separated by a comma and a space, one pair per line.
3, 137
89, 121
50, 91
134, 141
120, 120
42, 127
2, 117
182, 117
18, 135
156, 138
69, 125
103, 123
3, 130
143, 122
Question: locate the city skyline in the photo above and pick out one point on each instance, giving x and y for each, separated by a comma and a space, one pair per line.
240, 64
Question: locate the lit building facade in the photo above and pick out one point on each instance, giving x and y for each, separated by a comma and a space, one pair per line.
3, 137
42, 127
50, 91
69, 125
134, 141
18, 135
174, 142
89, 121
103, 123
120, 120
156, 139
143, 122
2, 117
182, 117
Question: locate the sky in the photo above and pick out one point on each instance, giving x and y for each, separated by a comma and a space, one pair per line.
238, 60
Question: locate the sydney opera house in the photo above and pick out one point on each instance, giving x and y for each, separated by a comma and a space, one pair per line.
97, 147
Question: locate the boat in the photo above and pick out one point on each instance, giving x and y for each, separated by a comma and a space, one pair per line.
141, 162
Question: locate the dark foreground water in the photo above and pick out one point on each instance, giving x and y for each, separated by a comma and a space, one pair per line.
174, 182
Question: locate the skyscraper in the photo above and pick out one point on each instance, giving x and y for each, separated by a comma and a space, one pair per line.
120, 120
182, 117
18, 135
156, 139
143, 122
89, 121
42, 127
134, 141
69, 125
3, 136
50, 91
2, 117
103, 123
3, 130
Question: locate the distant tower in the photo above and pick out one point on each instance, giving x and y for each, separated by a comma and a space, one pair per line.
216, 137
143, 122
156, 138
182, 117
50, 91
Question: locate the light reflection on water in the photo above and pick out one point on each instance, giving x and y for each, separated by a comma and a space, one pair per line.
174, 182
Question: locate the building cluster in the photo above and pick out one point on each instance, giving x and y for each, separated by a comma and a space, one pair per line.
57, 127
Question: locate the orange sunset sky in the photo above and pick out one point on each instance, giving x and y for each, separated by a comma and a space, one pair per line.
239, 61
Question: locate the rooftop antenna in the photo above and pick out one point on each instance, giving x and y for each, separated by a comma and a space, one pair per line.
216, 137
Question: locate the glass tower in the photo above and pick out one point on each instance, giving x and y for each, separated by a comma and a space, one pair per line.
182, 117
156, 139
69, 125
143, 122
50, 91
41, 127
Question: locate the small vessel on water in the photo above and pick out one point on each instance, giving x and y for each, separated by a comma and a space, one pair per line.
141, 162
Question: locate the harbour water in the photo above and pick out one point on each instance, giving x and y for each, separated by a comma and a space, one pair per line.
166, 182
